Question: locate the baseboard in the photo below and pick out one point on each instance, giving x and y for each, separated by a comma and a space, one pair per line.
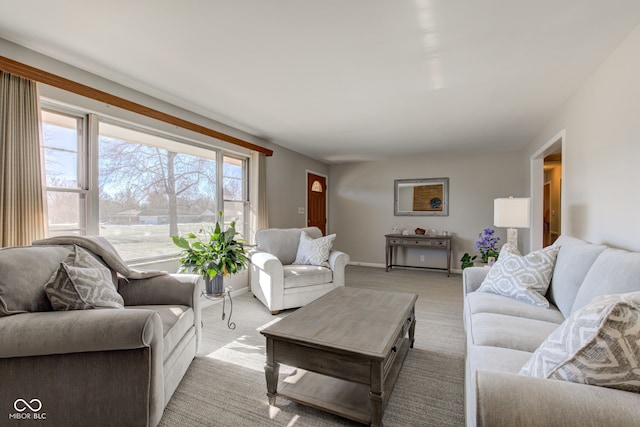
367, 264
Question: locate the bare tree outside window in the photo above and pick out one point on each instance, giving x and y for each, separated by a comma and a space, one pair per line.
155, 181
147, 185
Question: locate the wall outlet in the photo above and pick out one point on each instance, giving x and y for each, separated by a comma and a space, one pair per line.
301, 211
422, 258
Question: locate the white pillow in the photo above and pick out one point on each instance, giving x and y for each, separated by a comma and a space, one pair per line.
314, 251
598, 344
525, 278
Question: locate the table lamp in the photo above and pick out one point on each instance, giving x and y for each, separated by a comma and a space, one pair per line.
512, 213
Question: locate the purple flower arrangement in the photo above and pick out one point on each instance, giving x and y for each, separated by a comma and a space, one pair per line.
486, 244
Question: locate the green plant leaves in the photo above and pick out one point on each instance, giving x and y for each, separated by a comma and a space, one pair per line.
218, 253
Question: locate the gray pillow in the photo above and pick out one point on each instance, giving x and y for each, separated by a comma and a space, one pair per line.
82, 282
598, 344
525, 278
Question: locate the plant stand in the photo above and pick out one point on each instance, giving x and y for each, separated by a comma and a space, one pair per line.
226, 293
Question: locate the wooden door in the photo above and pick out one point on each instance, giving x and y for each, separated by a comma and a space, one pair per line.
546, 215
317, 202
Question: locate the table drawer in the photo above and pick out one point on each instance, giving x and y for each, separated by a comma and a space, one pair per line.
391, 357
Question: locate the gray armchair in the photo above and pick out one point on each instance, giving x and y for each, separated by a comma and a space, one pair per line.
279, 284
103, 366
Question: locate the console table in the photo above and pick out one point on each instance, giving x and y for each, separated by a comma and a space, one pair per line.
417, 241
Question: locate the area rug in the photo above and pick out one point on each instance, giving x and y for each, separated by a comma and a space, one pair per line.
225, 384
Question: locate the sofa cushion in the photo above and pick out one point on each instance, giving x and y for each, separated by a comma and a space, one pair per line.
283, 242
82, 282
497, 359
614, 272
516, 333
25, 270
599, 344
176, 321
296, 276
575, 258
484, 302
314, 251
525, 278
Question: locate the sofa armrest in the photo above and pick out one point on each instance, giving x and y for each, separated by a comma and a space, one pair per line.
168, 289
472, 278
338, 262
511, 399
267, 262
78, 331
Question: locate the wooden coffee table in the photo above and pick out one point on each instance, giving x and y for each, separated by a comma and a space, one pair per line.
348, 346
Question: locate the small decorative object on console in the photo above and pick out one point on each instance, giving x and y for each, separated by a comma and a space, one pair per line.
420, 230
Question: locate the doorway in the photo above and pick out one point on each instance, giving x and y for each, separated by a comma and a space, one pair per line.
547, 193
317, 201
552, 204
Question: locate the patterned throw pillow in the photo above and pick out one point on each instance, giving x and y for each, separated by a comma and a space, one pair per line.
314, 251
525, 278
82, 282
598, 344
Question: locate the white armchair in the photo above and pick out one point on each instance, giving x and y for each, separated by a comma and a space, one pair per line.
278, 283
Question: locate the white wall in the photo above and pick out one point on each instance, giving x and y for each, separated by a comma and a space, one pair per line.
361, 201
601, 159
287, 186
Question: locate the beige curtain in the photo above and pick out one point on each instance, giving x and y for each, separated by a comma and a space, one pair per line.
21, 197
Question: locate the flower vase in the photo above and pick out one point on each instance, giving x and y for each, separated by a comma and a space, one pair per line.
214, 286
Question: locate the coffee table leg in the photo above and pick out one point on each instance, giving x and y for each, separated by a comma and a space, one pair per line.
271, 372
376, 394
412, 332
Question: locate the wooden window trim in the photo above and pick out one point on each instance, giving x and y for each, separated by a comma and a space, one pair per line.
41, 76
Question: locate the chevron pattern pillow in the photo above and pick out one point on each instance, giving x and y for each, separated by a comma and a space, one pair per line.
525, 278
82, 282
598, 344
314, 251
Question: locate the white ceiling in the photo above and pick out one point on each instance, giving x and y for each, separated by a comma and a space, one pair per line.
341, 80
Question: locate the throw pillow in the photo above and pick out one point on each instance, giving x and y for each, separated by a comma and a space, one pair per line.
525, 278
82, 282
314, 251
598, 344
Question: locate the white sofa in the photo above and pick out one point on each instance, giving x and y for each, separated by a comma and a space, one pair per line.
502, 333
277, 283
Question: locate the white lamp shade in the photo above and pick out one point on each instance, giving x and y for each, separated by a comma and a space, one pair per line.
512, 212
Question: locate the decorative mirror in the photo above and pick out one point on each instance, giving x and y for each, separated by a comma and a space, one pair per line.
427, 196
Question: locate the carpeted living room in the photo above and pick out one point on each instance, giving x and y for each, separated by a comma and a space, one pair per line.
225, 384
336, 213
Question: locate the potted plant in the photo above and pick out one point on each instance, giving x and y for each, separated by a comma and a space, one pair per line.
212, 253
467, 260
487, 245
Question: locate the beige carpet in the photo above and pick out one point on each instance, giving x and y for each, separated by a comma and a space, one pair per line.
225, 385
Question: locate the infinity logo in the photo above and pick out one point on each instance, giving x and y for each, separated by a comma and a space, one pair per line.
37, 405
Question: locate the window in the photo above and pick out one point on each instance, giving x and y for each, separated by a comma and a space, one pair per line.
236, 200
135, 186
65, 165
